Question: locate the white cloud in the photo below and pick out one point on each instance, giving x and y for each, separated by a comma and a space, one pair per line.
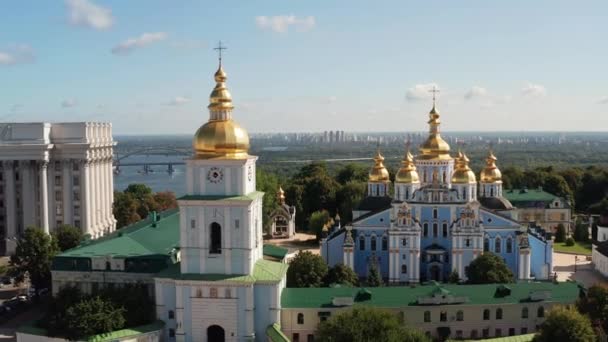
421, 91
533, 90
282, 23
17, 54
86, 13
603, 100
475, 91
68, 103
178, 101
135, 43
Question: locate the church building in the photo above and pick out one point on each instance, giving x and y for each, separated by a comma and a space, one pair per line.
437, 220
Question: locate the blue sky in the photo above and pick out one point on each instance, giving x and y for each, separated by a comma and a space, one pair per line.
147, 66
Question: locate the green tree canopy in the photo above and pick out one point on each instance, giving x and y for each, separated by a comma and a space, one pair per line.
93, 316
317, 220
364, 324
165, 200
374, 278
487, 269
317, 191
341, 274
269, 184
306, 270
560, 233
68, 237
352, 173
595, 304
348, 196
33, 256
125, 209
564, 324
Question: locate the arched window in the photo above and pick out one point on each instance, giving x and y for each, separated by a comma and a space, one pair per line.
497, 245
373, 243
499, 313
435, 229
434, 213
464, 193
425, 228
524, 313
486, 244
361, 243
491, 192
509, 245
407, 193
443, 316
216, 239
427, 316
300, 318
540, 312
199, 293
404, 242
460, 315
108, 266
486, 315
171, 314
213, 292
445, 229
403, 268
384, 243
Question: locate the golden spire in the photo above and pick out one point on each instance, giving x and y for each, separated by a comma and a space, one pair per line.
491, 173
463, 173
378, 173
220, 137
434, 147
281, 195
407, 173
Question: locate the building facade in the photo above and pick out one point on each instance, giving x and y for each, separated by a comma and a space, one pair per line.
540, 208
282, 218
54, 174
437, 220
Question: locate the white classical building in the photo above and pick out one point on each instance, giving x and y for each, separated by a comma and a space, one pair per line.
54, 174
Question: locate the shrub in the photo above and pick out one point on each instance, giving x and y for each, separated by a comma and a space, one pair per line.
569, 242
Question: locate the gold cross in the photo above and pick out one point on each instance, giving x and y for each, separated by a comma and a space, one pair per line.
219, 48
434, 91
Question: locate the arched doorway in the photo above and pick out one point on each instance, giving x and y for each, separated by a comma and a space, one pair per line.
435, 273
215, 333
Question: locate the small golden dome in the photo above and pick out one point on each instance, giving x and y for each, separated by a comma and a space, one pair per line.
463, 173
281, 195
491, 173
221, 137
378, 173
434, 147
407, 173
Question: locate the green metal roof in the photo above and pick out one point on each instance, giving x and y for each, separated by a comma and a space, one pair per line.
393, 297
139, 239
264, 271
274, 333
32, 329
516, 338
528, 195
275, 251
249, 197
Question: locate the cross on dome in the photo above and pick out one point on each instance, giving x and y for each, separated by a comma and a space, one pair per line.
219, 49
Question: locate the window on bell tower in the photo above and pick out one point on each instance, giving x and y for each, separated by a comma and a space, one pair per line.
216, 239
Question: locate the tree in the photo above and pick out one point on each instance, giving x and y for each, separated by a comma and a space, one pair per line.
318, 191
93, 316
306, 270
125, 209
454, 277
352, 173
560, 233
144, 197
134, 298
564, 324
581, 232
595, 305
317, 220
33, 256
348, 196
268, 183
165, 200
68, 237
362, 324
341, 274
487, 269
374, 279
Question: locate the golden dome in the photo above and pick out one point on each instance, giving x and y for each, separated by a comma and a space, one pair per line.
378, 173
220, 137
491, 173
407, 173
281, 195
434, 147
463, 173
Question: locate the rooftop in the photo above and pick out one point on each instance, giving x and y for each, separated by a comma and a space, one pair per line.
248, 197
275, 251
528, 195
394, 297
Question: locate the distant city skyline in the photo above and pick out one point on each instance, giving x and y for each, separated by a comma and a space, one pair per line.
307, 66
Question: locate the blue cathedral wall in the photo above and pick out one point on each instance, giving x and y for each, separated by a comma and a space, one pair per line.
332, 250
363, 255
541, 260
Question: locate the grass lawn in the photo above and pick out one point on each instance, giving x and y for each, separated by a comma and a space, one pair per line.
578, 248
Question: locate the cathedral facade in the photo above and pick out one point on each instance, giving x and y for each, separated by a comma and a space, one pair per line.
436, 220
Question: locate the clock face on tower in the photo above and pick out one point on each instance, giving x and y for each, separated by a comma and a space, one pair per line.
250, 173
215, 175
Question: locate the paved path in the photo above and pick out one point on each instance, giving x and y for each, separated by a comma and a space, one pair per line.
563, 265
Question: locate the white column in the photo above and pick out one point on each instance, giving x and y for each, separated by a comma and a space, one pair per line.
85, 199
68, 201
521, 266
9, 199
44, 197
96, 195
107, 190
104, 196
527, 262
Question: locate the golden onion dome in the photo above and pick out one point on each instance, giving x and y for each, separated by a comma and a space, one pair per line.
378, 173
434, 147
407, 173
491, 173
221, 137
281, 195
463, 173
